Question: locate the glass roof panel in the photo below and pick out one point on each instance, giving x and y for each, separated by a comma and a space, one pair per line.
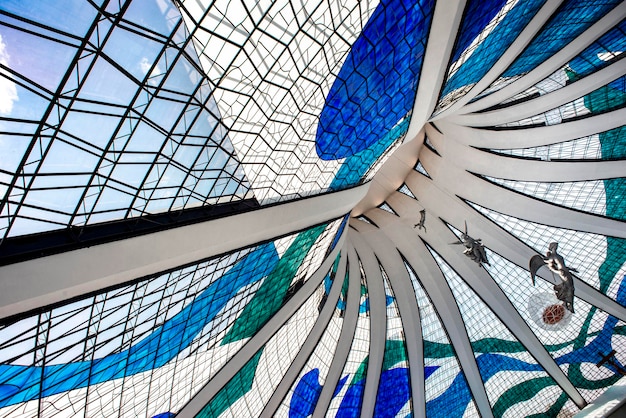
602, 53
569, 21
118, 115
486, 47
132, 83
394, 390
510, 373
445, 386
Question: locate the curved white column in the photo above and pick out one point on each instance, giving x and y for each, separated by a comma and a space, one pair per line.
544, 102
400, 282
525, 37
351, 315
534, 136
47, 280
443, 31
456, 212
391, 175
467, 186
552, 64
310, 343
477, 161
378, 322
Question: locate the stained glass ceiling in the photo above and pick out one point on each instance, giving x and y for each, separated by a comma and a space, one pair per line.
238, 208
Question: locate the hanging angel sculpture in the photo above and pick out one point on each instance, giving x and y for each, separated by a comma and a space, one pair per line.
474, 248
420, 224
554, 261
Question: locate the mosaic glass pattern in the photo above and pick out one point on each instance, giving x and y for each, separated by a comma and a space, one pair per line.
247, 393
174, 322
499, 355
572, 19
607, 98
117, 115
373, 82
587, 330
602, 53
487, 46
178, 321
445, 387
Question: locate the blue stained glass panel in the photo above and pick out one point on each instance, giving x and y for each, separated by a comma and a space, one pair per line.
573, 18
477, 16
589, 60
454, 400
493, 46
23, 383
375, 88
356, 166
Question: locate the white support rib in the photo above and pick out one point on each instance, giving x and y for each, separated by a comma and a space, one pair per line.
488, 164
535, 136
479, 280
252, 346
311, 342
391, 175
48, 280
522, 41
362, 226
552, 64
545, 102
378, 322
409, 312
500, 304
456, 212
418, 257
443, 31
351, 315
467, 186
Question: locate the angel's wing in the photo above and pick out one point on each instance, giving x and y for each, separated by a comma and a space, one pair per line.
536, 262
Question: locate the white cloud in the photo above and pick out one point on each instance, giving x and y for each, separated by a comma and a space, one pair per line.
145, 65
8, 89
608, 56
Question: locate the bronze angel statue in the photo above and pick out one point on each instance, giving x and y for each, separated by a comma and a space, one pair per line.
474, 248
555, 262
421, 223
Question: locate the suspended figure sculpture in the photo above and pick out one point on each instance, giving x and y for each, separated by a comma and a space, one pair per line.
555, 262
420, 224
474, 248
